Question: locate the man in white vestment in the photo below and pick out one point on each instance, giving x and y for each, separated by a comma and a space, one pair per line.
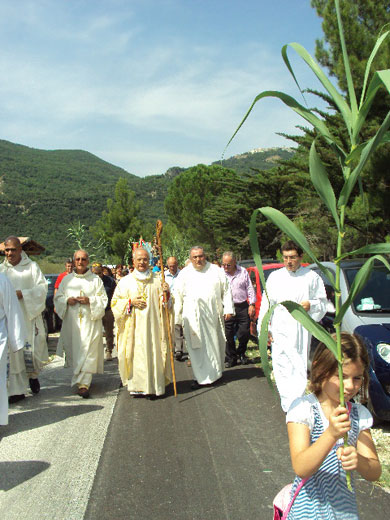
31, 290
12, 333
203, 301
171, 275
290, 340
143, 346
80, 302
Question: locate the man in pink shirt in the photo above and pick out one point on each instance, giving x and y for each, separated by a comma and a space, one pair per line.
244, 299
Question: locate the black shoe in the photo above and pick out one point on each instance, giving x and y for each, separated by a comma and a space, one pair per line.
15, 398
178, 355
151, 397
34, 385
195, 385
230, 364
244, 360
83, 392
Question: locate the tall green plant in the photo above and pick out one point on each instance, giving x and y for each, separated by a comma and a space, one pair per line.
352, 160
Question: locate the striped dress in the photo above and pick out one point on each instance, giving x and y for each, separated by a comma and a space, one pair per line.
325, 494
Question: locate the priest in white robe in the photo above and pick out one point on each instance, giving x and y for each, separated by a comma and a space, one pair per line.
203, 301
31, 290
143, 345
80, 302
12, 336
290, 340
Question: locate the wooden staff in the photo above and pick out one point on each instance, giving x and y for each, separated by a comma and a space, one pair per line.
159, 226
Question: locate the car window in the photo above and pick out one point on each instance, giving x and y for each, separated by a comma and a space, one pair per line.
375, 296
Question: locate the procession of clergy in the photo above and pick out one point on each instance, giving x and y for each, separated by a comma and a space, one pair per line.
198, 301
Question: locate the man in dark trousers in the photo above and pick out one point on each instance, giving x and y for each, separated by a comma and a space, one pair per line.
244, 299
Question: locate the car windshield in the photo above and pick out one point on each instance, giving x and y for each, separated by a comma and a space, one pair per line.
375, 296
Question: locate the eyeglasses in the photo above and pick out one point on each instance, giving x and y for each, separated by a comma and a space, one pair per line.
227, 265
81, 259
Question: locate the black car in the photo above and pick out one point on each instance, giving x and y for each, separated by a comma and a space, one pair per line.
53, 322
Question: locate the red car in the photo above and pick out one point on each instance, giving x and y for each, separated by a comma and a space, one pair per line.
255, 279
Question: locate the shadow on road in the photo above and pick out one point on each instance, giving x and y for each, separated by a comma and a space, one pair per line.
31, 419
235, 374
14, 473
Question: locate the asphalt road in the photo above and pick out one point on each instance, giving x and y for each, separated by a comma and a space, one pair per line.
218, 453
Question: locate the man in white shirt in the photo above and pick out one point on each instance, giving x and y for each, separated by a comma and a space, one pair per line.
171, 275
290, 340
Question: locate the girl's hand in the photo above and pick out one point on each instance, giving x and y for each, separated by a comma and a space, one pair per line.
339, 423
348, 457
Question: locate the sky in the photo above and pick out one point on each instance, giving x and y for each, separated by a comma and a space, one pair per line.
150, 84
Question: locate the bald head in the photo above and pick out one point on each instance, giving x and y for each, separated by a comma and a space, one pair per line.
13, 250
172, 265
141, 259
81, 261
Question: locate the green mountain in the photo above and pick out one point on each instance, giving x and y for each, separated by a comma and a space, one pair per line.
258, 159
42, 193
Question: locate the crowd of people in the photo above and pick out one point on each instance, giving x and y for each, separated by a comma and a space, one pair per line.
203, 310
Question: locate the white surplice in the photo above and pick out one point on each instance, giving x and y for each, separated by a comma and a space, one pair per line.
143, 346
82, 333
290, 339
12, 333
27, 277
201, 300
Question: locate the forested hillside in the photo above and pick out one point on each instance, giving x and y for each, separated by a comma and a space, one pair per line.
43, 192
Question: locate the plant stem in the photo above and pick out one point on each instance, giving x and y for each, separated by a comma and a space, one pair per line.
338, 325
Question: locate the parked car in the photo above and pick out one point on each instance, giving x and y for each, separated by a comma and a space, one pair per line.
53, 322
368, 316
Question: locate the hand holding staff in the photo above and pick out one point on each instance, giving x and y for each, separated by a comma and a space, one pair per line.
165, 287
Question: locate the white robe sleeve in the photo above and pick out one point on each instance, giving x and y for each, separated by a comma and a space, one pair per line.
119, 303
318, 300
178, 303
98, 301
35, 298
16, 333
60, 300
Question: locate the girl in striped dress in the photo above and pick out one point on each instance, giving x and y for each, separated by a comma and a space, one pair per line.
316, 424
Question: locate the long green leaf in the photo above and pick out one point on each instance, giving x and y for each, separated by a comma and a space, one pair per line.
298, 313
356, 152
348, 75
380, 79
338, 99
370, 147
360, 280
254, 243
322, 184
374, 51
263, 342
290, 229
382, 248
311, 118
